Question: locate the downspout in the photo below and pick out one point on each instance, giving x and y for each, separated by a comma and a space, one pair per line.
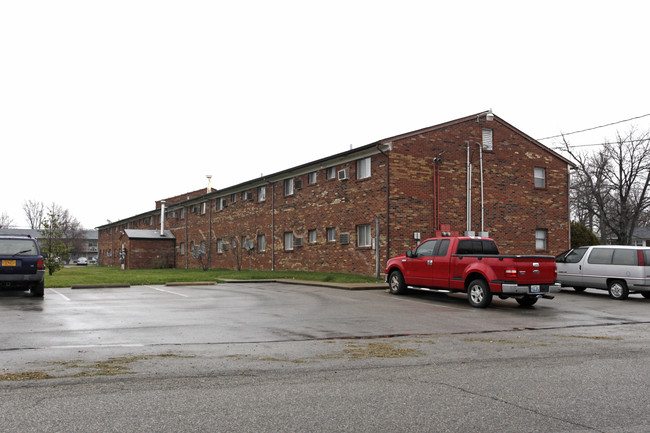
469, 190
480, 152
273, 226
209, 232
387, 208
187, 216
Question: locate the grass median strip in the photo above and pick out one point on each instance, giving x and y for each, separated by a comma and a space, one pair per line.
112, 275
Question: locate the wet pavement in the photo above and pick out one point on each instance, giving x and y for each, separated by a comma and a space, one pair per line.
268, 356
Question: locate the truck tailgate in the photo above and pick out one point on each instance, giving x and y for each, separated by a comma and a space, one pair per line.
535, 269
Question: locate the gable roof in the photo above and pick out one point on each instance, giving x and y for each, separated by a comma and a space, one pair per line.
473, 117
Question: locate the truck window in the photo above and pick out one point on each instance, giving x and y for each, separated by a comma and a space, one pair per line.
476, 246
443, 246
601, 256
426, 248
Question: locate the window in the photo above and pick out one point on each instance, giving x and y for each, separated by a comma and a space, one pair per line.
575, 256
312, 236
625, 256
288, 187
540, 177
363, 168
183, 213
331, 234
311, 179
261, 193
233, 198
476, 246
221, 203
182, 248
244, 195
427, 248
219, 246
261, 243
601, 256
288, 241
487, 139
331, 173
364, 236
540, 239
203, 207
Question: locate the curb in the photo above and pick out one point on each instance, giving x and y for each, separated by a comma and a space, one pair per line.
191, 283
98, 286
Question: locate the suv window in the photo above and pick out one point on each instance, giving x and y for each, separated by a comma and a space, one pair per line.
17, 247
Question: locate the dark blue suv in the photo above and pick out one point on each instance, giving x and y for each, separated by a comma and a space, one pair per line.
21, 264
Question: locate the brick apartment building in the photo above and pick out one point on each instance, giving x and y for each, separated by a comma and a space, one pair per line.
351, 211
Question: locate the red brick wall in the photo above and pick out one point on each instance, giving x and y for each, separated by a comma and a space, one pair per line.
513, 207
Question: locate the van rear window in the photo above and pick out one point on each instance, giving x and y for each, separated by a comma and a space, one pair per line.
613, 256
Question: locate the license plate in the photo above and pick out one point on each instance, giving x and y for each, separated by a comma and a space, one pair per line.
534, 289
8, 263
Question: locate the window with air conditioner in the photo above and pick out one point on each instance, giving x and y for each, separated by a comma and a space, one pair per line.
288, 187
343, 174
288, 241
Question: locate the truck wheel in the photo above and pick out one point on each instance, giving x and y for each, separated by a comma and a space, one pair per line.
38, 289
618, 290
396, 283
527, 301
478, 294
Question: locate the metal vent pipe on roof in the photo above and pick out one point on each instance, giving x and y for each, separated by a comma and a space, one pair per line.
162, 218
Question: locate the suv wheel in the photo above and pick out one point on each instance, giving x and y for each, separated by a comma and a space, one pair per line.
38, 289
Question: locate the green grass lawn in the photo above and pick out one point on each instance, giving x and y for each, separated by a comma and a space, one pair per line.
114, 275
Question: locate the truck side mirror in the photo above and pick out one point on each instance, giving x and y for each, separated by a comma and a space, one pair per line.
410, 254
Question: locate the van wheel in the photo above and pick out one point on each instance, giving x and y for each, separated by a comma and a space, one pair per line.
396, 283
618, 290
645, 295
478, 294
527, 301
579, 289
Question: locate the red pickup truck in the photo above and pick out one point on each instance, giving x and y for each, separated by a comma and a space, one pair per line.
474, 266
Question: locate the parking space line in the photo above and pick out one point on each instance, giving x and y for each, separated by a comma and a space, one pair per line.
60, 294
167, 291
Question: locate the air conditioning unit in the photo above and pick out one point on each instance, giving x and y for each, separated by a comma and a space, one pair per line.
344, 174
297, 242
344, 238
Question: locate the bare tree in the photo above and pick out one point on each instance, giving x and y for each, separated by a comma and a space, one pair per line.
5, 221
34, 213
610, 189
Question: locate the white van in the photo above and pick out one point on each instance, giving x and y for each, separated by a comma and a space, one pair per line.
620, 270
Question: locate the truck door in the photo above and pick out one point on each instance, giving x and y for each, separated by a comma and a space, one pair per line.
420, 265
440, 274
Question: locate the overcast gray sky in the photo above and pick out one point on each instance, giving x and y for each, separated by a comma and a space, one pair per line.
107, 106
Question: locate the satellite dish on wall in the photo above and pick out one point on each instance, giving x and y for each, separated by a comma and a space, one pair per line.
249, 245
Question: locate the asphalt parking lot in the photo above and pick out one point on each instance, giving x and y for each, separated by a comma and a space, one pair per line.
276, 357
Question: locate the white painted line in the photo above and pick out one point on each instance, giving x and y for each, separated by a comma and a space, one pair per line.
168, 291
91, 346
60, 294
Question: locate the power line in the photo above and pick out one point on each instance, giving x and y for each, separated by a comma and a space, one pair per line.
595, 127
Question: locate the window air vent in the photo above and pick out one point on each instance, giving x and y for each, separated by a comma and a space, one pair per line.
344, 238
298, 184
297, 242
